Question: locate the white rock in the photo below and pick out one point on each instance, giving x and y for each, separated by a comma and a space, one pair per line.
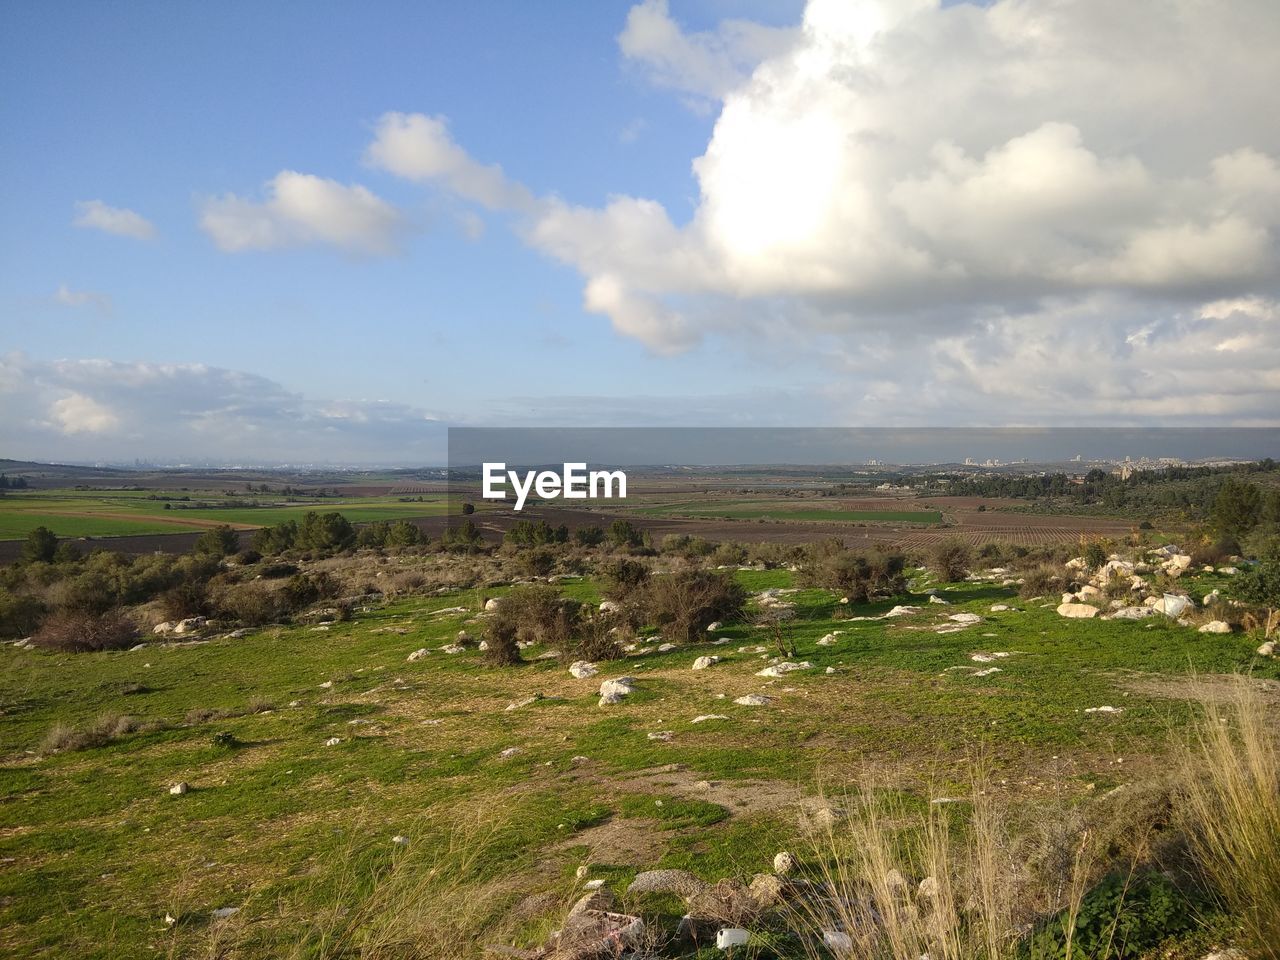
702, 663
753, 700
837, 941
666, 647
783, 863
1268, 649
999, 607
583, 670
934, 598
1104, 709
703, 718
1132, 613
928, 888
178, 789
593, 884
965, 618
510, 752
491, 604
663, 735
713, 627
400, 840
1077, 610
610, 606
418, 654
166, 627
223, 912
782, 669
622, 686
333, 741
1216, 626
902, 611
728, 937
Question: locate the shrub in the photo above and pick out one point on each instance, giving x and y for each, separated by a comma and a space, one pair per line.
622, 533
596, 635
501, 646
74, 631
108, 727
187, 599
949, 559
250, 604
1095, 554
40, 546
220, 541
534, 613
623, 577
304, 589
861, 577
683, 604
20, 615
588, 536
1040, 581
537, 562
729, 555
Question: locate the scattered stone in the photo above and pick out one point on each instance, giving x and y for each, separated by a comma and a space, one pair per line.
902, 611
400, 840
999, 607
1215, 626
713, 627
703, 718
453, 648
166, 627
583, 670
1077, 611
328, 684
1268, 649
783, 863
333, 741
510, 752
612, 691
593, 884
987, 672
491, 604
928, 888
754, 700
178, 789
831, 639
934, 598
1104, 709
1132, 613
965, 618
609, 606
418, 654
662, 735
666, 647
702, 663
223, 912
782, 669
189, 625
987, 657
837, 941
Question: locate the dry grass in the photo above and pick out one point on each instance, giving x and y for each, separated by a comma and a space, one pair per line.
1231, 811
108, 727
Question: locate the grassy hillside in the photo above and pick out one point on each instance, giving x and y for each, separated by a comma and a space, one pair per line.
508, 802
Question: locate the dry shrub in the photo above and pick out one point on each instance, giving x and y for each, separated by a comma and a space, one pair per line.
1231, 811
683, 604
108, 727
252, 604
1040, 581
535, 613
74, 631
949, 559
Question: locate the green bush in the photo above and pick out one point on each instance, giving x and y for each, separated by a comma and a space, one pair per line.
949, 559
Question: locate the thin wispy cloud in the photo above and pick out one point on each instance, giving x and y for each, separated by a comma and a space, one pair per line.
96, 215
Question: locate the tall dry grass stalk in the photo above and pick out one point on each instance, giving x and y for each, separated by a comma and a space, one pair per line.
1231, 809
899, 885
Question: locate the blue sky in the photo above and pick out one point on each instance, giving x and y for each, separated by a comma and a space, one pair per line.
793, 278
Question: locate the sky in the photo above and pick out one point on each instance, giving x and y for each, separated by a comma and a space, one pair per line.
326, 231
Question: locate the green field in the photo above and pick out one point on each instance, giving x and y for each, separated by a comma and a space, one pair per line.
788, 510
298, 834
72, 513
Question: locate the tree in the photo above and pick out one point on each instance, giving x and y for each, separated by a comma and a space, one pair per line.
622, 533
326, 532
41, 546
468, 509
220, 541
1237, 509
1261, 584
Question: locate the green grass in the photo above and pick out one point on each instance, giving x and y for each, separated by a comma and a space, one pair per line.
73, 513
286, 827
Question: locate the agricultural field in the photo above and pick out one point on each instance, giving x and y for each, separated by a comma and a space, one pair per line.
788, 510
109, 513
345, 800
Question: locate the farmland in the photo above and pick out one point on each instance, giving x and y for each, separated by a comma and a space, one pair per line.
108, 513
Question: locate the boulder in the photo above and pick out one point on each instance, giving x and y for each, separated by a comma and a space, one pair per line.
1216, 626
418, 654
166, 627
491, 604
612, 691
179, 788
583, 670
703, 662
1077, 611
609, 606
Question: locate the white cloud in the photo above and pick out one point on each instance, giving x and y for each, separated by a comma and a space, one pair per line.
96, 215
302, 209
87, 409
706, 65
76, 413
67, 297
418, 147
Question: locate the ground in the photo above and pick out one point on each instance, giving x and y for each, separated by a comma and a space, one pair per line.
95, 851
